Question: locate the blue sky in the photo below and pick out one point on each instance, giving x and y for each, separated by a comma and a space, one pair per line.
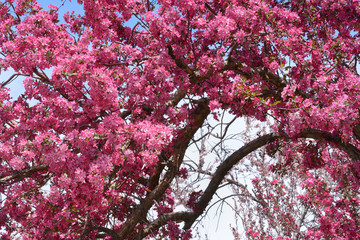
16, 86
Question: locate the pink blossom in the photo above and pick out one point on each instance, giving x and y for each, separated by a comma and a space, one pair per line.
274, 182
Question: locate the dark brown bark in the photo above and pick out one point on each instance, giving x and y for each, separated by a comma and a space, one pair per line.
190, 217
17, 176
179, 148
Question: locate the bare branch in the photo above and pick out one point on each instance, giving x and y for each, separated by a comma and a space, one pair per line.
223, 169
234, 158
12, 78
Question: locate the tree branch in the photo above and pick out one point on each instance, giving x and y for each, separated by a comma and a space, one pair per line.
351, 150
210, 9
23, 174
223, 169
179, 148
234, 158
163, 219
12, 78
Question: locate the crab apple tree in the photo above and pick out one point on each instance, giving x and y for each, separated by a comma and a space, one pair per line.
117, 93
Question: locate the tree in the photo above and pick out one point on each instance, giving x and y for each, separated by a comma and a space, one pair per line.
96, 146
